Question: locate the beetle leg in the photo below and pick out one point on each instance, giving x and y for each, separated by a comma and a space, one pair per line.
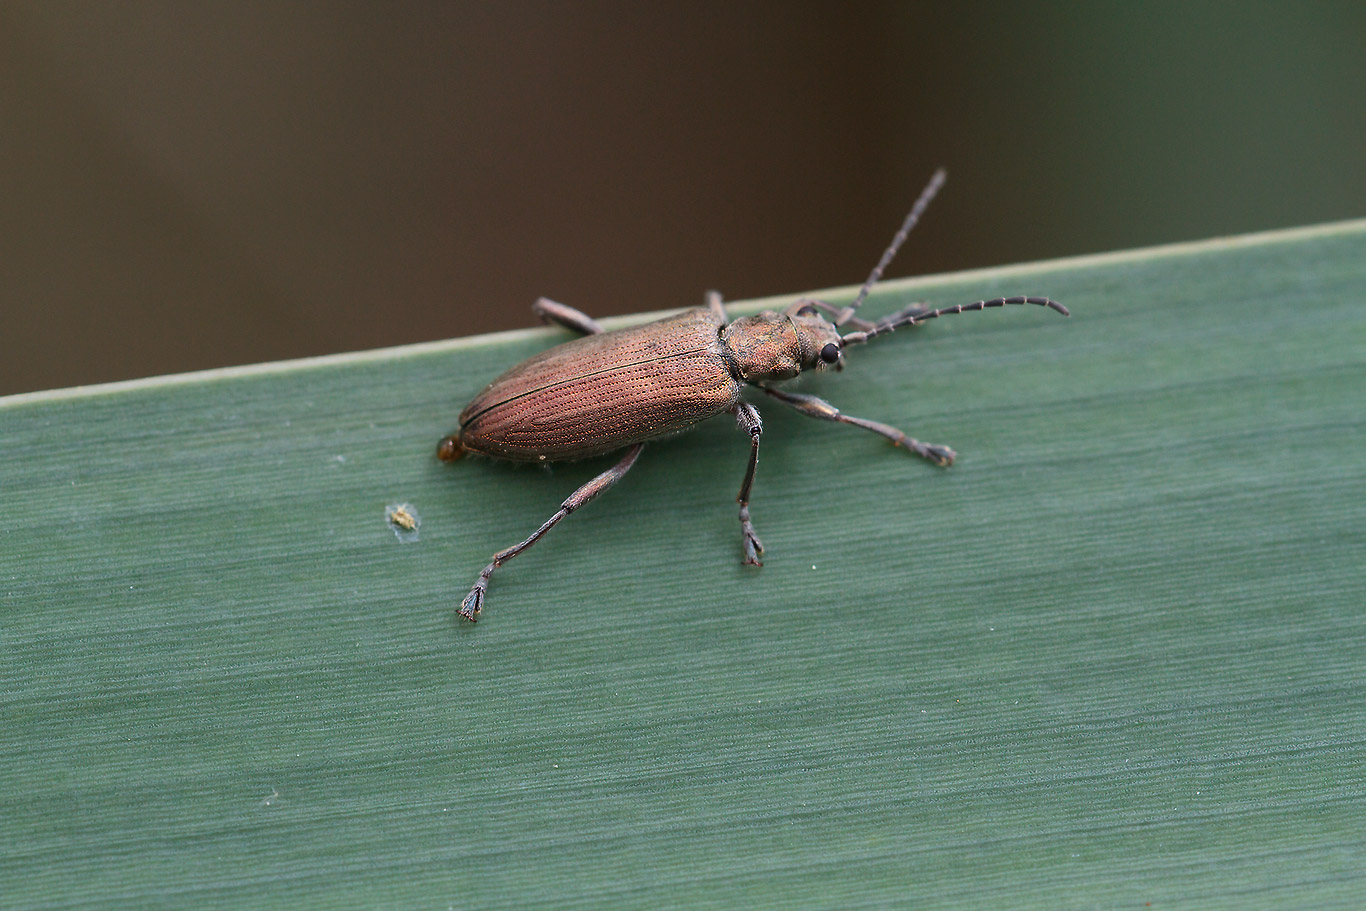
563, 315
819, 408
748, 417
718, 310
474, 601
911, 310
801, 304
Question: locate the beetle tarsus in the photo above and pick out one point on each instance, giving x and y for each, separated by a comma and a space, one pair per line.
753, 546
473, 605
942, 456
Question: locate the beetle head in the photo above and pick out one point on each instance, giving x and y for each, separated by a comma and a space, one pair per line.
820, 340
771, 346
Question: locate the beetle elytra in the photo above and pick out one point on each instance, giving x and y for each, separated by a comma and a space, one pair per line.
611, 391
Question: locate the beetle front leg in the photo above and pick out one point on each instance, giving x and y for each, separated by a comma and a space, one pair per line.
819, 408
564, 315
748, 417
474, 601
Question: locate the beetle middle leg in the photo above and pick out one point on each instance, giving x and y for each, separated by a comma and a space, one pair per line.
819, 408
474, 601
718, 309
748, 417
564, 315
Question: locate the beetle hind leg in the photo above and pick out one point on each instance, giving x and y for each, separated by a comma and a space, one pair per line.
564, 315
748, 418
473, 604
811, 406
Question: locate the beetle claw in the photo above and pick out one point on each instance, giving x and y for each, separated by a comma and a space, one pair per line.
753, 548
942, 456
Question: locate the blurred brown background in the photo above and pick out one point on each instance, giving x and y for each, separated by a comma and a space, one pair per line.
192, 185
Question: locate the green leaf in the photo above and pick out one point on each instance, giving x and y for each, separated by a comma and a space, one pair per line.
1112, 657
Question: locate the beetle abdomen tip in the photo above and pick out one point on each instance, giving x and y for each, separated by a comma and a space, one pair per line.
449, 449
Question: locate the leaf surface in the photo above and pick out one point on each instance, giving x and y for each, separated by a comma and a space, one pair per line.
1113, 656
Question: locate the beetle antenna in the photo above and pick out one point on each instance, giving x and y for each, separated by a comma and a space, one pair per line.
918, 314
927, 194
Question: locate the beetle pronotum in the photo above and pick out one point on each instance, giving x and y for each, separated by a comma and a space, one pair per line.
611, 391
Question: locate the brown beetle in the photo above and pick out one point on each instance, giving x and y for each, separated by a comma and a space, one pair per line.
619, 390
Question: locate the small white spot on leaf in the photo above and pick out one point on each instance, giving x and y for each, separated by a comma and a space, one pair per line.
403, 520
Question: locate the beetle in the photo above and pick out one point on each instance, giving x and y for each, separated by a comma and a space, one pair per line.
611, 391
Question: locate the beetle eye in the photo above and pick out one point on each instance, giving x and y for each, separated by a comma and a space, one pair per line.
830, 353
808, 310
